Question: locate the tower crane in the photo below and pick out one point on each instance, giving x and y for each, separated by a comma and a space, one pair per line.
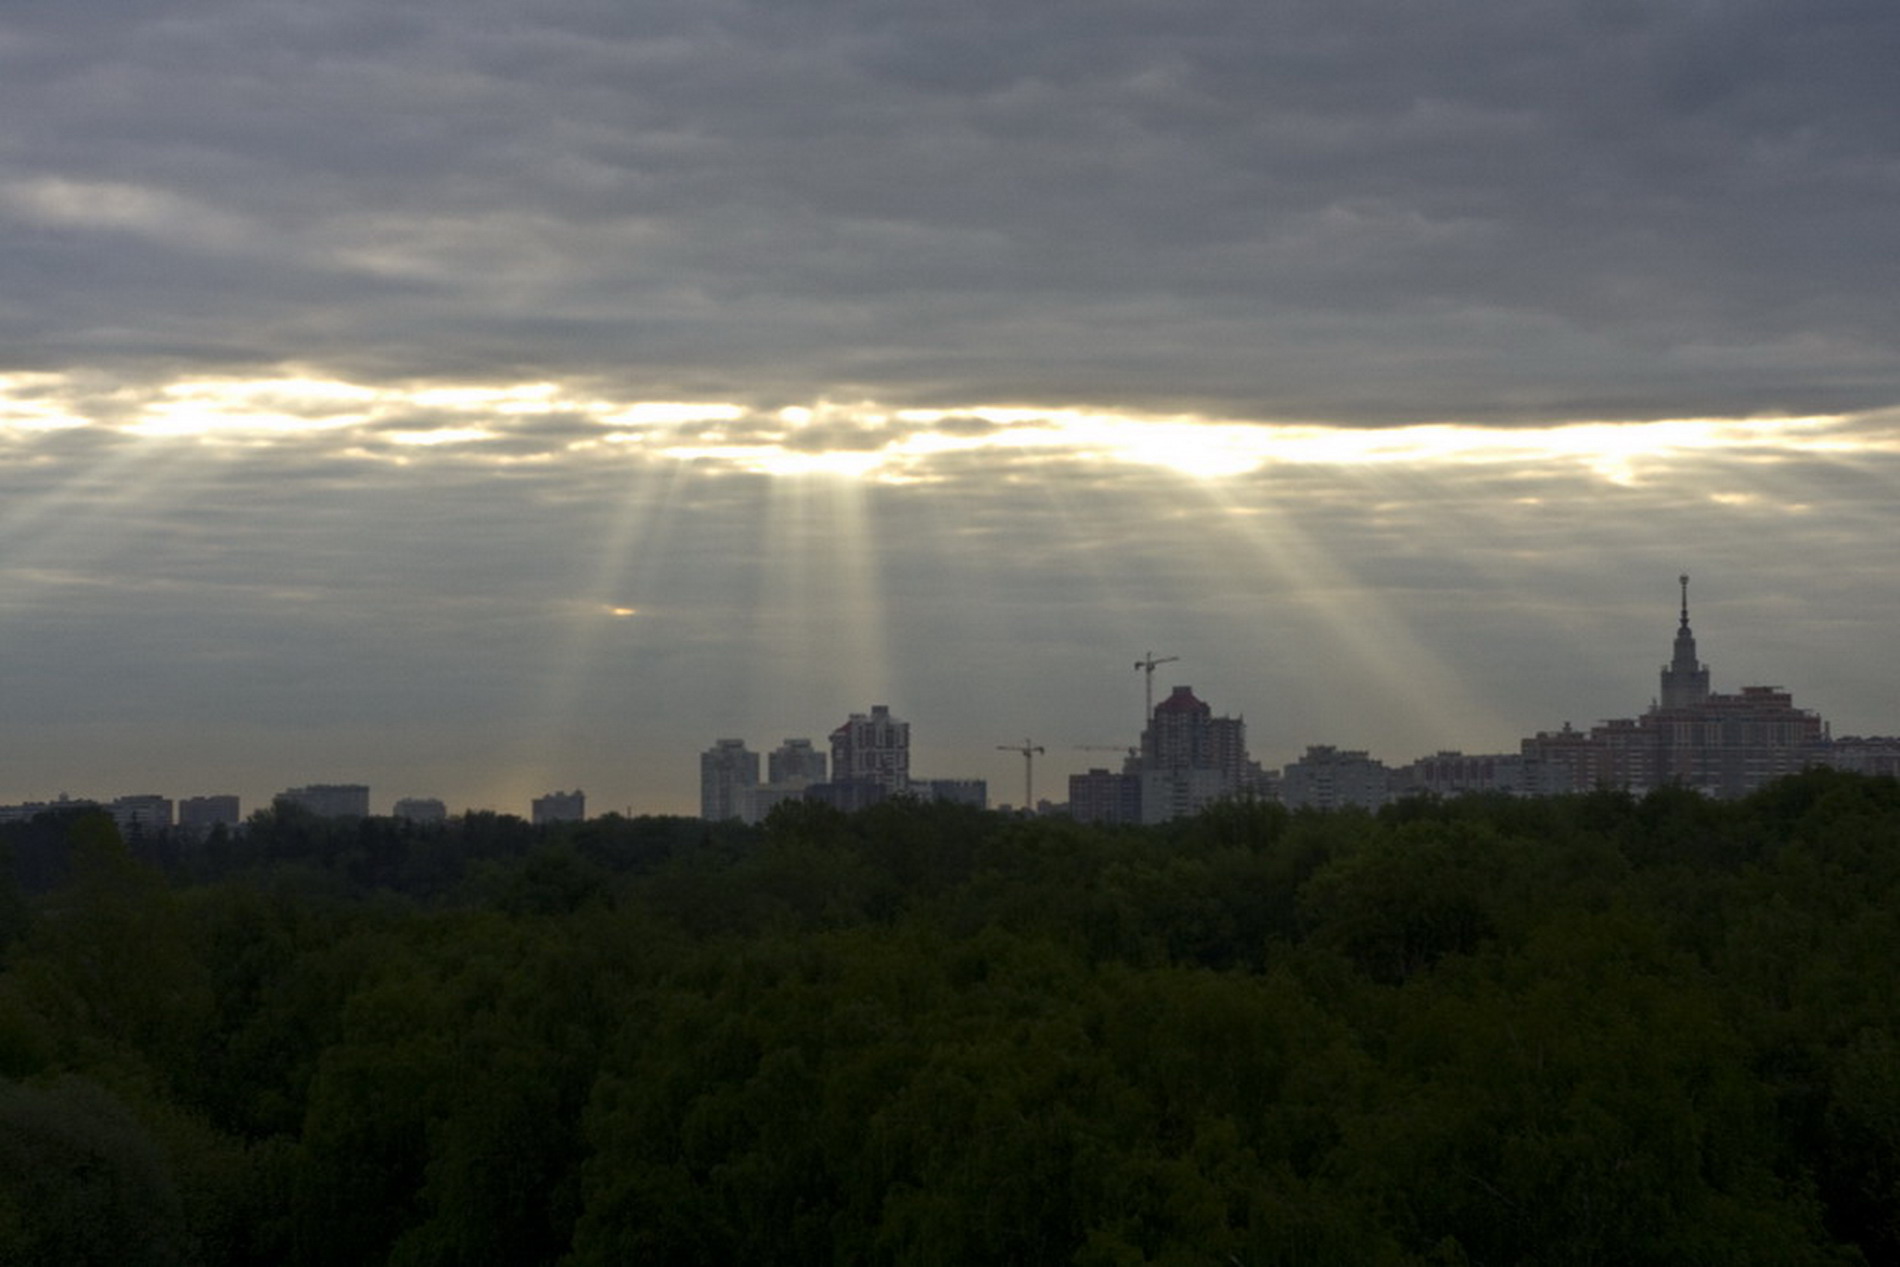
1149, 662
1029, 751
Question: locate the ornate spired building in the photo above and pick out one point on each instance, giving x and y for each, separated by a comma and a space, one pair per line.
1722, 745
1685, 683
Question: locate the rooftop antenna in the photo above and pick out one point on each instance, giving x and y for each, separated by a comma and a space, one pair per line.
1029, 751
1149, 662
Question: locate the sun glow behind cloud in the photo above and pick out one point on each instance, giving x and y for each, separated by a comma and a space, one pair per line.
440, 435
543, 421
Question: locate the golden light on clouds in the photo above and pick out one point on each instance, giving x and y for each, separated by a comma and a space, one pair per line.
765, 459
521, 398
662, 413
864, 442
210, 408
28, 403
440, 435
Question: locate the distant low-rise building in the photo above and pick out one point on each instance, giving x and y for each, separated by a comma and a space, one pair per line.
421, 809
1180, 792
141, 816
330, 800
1876, 754
559, 807
29, 810
973, 792
1459, 774
199, 814
1335, 778
1109, 797
849, 795
760, 801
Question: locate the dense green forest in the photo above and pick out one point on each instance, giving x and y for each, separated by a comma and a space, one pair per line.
1584, 1030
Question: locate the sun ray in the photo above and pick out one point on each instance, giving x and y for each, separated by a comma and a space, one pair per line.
862, 637
1132, 599
98, 507
610, 611
1400, 684
793, 665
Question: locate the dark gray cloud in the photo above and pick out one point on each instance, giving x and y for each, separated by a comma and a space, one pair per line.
1352, 211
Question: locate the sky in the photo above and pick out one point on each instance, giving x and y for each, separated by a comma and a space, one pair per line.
485, 398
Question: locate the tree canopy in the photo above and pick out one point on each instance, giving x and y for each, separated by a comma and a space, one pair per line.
1595, 1029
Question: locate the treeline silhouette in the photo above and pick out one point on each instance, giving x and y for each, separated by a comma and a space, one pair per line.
1586, 1030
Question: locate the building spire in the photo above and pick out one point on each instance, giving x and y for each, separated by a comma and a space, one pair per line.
1685, 680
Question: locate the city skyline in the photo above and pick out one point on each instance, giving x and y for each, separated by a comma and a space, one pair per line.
874, 748
480, 401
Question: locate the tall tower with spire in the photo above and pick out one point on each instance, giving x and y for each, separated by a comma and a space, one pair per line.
1685, 681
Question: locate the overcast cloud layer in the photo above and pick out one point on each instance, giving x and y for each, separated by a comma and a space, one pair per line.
1341, 210
333, 340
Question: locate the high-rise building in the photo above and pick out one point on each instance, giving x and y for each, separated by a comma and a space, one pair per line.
330, 800
728, 771
558, 807
872, 749
870, 761
796, 762
1177, 733
1189, 758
